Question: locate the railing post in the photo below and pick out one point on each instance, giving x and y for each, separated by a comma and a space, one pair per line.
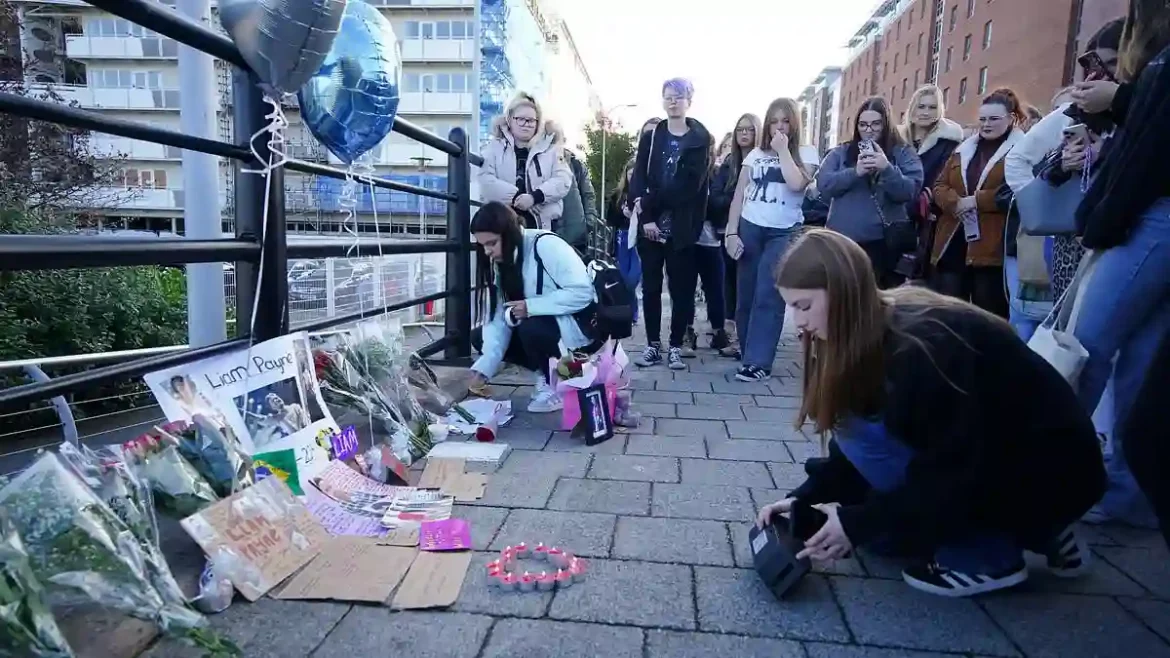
250, 194
457, 315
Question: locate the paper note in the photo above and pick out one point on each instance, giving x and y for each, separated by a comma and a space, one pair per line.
339, 520
351, 569
434, 581
445, 535
345, 443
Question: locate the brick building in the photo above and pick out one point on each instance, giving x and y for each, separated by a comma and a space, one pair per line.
968, 47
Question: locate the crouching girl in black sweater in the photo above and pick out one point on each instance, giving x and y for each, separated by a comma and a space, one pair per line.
951, 440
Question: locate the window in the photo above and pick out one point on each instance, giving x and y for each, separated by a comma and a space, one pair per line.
920, 35
922, 10
906, 59
967, 48
947, 64
905, 83
917, 77
147, 178
987, 35
896, 62
116, 27
440, 30
946, 96
983, 80
970, 8
962, 91
443, 30
898, 29
124, 79
410, 83
412, 30
910, 19
885, 71
954, 18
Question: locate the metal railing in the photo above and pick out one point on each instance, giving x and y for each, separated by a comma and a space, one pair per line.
259, 229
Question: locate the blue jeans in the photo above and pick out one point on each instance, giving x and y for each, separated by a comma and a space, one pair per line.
882, 460
1024, 316
709, 261
1126, 313
759, 315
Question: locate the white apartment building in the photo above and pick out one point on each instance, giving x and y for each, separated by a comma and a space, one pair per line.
116, 67
820, 110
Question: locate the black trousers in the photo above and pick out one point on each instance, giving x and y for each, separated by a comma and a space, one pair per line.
1147, 437
883, 264
982, 286
536, 340
679, 265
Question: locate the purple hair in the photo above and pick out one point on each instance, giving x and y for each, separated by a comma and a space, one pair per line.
680, 86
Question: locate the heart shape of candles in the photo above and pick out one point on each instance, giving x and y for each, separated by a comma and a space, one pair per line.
563, 569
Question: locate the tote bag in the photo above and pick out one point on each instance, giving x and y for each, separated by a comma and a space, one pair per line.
1054, 339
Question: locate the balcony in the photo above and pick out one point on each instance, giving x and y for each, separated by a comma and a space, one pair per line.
120, 99
128, 47
143, 199
133, 149
436, 103
438, 50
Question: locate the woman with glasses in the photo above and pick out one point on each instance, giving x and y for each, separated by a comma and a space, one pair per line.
968, 251
723, 183
524, 165
867, 182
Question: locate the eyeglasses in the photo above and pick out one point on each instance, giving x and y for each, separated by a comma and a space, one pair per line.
873, 125
524, 121
745, 131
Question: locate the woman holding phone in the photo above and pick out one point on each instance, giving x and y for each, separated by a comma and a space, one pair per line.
868, 182
952, 442
968, 251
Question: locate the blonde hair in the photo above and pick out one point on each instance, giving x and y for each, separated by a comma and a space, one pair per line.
792, 111
1063, 93
520, 100
906, 130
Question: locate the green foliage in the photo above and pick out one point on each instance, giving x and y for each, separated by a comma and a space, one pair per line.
619, 148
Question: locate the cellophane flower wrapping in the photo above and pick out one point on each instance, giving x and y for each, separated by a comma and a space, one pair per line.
27, 625
365, 370
81, 552
216, 455
178, 489
128, 496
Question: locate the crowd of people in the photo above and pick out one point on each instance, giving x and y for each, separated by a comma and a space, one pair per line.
943, 252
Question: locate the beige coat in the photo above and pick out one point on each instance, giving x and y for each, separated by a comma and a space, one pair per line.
546, 170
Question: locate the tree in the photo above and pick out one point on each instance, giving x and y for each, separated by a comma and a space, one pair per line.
620, 147
53, 182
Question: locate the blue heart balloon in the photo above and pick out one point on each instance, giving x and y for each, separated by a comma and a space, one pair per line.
350, 104
284, 41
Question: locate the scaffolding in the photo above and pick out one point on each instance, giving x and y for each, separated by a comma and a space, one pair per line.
495, 77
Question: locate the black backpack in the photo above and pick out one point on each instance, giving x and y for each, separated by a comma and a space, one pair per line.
612, 315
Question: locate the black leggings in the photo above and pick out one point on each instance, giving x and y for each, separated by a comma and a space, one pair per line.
536, 340
982, 286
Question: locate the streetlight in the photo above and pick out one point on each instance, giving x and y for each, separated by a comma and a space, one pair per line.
604, 140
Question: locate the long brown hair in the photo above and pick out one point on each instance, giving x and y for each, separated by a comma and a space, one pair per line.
738, 154
844, 374
890, 138
1146, 33
791, 111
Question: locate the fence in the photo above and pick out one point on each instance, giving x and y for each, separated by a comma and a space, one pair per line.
260, 252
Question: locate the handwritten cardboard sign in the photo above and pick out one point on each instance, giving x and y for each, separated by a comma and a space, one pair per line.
350, 569
258, 537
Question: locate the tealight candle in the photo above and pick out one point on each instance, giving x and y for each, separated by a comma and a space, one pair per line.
521, 550
527, 582
540, 552
508, 582
577, 568
564, 579
555, 555
545, 581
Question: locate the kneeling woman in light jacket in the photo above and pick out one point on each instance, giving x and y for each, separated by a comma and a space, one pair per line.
536, 299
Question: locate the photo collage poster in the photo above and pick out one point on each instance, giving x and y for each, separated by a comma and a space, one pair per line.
266, 395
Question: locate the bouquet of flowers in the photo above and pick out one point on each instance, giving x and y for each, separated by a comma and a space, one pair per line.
178, 487
571, 366
27, 626
81, 552
218, 458
111, 479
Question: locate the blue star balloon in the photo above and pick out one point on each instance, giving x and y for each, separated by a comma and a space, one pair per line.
284, 41
350, 104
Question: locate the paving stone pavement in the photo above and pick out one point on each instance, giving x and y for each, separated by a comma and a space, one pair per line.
663, 514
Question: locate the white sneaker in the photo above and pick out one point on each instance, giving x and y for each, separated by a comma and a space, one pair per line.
546, 402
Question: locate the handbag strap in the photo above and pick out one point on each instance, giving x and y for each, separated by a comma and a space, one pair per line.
1064, 313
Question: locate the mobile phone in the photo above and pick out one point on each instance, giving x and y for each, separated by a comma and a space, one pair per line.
865, 146
1094, 67
806, 521
1077, 132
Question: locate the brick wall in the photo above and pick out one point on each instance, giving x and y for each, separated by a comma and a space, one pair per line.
906, 55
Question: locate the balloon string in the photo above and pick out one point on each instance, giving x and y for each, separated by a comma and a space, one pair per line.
365, 171
277, 123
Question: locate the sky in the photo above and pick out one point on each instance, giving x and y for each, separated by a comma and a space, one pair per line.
739, 54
